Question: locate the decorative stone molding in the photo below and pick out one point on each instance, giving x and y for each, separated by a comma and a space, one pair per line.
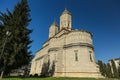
78, 44
53, 49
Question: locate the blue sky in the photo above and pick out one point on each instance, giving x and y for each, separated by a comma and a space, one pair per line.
101, 17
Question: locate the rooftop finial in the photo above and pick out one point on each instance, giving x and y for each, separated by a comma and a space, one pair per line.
66, 11
54, 22
65, 8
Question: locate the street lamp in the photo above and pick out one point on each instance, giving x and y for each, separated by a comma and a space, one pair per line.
7, 34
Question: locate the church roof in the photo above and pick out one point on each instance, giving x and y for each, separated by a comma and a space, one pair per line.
66, 12
54, 23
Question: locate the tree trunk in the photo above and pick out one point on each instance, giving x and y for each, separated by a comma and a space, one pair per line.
1, 74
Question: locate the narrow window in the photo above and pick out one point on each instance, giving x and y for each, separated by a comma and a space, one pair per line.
91, 56
76, 55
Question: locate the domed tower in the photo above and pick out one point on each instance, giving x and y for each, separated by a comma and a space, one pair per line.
66, 20
53, 29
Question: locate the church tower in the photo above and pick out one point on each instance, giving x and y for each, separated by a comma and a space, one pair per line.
53, 29
66, 20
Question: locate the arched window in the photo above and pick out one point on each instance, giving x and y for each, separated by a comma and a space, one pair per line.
76, 55
91, 56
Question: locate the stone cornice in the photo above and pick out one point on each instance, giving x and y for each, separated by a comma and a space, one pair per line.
83, 31
53, 49
69, 31
78, 44
39, 58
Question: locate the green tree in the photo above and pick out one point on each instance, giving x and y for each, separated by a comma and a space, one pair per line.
101, 67
119, 69
16, 52
115, 71
109, 71
105, 70
4, 42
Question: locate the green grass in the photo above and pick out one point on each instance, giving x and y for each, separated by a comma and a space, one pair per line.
54, 79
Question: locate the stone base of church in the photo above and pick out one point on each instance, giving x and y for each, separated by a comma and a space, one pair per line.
78, 74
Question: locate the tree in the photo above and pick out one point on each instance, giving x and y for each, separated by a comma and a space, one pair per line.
101, 67
4, 48
119, 69
105, 73
115, 71
109, 71
16, 52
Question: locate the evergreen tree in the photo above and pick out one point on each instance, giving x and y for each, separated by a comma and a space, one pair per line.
119, 69
105, 70
4, 42
16, 52
109, 71
115, 71
101, 67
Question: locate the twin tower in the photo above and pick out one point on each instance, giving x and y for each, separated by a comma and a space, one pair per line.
65, 22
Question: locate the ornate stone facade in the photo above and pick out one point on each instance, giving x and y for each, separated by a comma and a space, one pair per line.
67, 53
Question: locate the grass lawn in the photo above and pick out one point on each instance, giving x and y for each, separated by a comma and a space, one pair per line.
54, 79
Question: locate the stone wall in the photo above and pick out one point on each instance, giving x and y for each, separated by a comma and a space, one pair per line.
72, 54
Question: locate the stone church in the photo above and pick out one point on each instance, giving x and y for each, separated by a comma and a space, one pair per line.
67, 52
